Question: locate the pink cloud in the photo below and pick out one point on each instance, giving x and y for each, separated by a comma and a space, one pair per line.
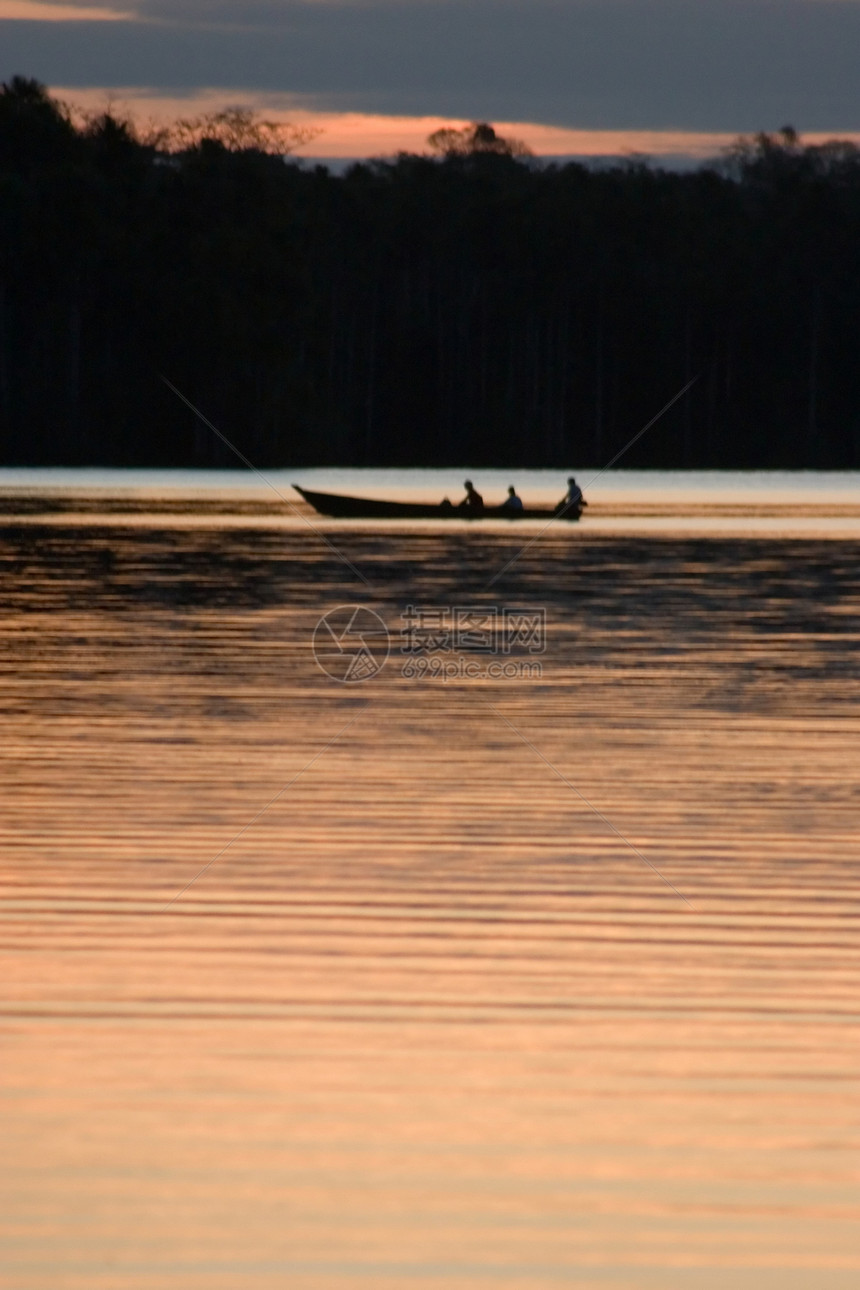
354, 134
36, 11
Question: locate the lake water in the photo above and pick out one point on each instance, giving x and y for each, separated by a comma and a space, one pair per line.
776, 503
545, 976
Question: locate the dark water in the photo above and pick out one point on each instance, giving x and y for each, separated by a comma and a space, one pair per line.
533, 982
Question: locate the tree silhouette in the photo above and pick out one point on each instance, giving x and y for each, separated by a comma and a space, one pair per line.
236, 129
417, 313
479, 137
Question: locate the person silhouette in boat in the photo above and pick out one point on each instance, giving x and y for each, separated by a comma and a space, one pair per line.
473, 501
573, 500
512, 503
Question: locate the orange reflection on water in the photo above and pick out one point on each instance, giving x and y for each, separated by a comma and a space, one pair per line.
428, 1020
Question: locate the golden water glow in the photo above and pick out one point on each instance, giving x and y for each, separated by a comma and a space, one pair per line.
429, 1020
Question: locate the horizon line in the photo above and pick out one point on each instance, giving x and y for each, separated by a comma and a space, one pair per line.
354, 136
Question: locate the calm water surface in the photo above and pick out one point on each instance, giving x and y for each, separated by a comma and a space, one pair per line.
528, 983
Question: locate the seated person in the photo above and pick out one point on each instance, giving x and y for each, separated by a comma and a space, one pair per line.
573, 500
473, 501
512, 502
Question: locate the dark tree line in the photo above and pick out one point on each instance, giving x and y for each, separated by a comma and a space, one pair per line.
471, 306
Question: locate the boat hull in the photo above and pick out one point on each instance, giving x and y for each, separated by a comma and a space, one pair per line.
338, 506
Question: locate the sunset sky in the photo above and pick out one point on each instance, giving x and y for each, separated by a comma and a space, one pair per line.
661, 77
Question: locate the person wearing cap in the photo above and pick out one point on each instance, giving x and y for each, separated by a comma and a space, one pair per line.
473, 501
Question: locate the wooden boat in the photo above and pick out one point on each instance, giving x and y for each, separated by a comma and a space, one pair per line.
367, 508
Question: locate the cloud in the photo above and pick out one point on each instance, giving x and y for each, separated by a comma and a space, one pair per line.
50, 11
613, 64
351, 134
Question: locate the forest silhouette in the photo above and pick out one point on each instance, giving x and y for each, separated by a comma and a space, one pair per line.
468, 305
